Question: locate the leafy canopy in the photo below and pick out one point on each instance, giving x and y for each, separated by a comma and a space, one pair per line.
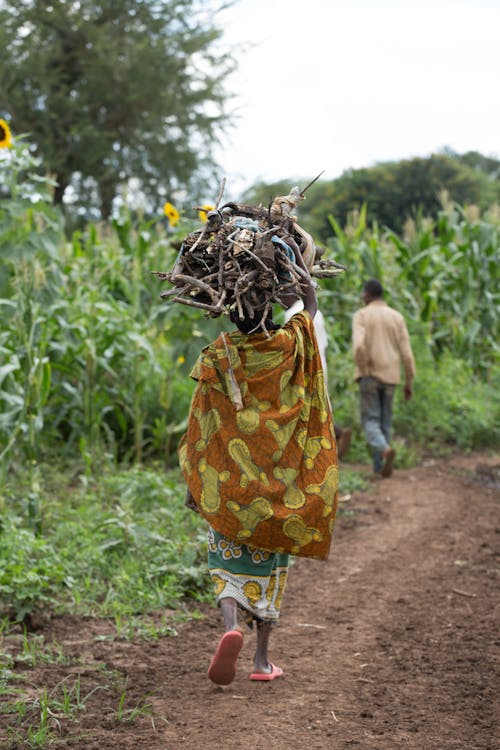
115, 89
393, 191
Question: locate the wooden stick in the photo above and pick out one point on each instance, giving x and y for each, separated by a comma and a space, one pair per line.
198, 239
192, 303
464, 593
220, 193
175, 290
192, 281
221, 268
220, 303
311, 183
295, 267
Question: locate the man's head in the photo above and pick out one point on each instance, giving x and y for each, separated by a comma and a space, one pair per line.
372, 290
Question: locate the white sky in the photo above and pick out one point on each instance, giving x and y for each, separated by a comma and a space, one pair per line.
333, 84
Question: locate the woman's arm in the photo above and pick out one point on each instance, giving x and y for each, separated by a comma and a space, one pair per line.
308, 286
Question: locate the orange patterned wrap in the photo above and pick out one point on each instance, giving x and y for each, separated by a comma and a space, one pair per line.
259, 455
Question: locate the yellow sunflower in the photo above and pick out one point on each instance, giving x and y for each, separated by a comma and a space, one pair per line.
172, 214
5, 135
202, 213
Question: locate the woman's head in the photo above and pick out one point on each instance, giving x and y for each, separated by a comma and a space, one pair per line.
256, 323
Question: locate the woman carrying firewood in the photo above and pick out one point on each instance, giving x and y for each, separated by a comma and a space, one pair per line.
260, 462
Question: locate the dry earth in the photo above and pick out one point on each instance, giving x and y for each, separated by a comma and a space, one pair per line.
393, 643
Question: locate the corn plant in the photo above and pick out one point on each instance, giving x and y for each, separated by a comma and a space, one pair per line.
449, 271
93, 365
442, 275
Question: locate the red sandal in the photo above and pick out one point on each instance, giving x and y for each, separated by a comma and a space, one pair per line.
222, 668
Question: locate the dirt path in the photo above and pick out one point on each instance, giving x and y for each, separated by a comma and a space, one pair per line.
391, 644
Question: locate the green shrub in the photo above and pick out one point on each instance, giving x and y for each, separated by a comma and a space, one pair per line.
31, 571
122, 545
95, 365
451, 405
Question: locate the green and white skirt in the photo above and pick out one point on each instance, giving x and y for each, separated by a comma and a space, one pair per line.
254, 577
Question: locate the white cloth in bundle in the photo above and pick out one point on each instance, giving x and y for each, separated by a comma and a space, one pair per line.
319, 328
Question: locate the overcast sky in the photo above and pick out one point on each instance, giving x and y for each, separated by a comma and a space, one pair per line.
333, 84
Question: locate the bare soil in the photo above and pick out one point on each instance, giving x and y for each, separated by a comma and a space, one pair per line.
393, 643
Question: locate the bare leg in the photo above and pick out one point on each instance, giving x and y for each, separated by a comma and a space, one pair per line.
260, 661
230, 613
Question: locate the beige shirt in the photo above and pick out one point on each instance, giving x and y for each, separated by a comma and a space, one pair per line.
380, 342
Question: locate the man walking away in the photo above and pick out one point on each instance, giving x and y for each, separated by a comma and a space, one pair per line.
380, 343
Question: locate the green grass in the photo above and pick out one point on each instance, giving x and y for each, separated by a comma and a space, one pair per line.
42, 717
351, 480
451, 406
120, 545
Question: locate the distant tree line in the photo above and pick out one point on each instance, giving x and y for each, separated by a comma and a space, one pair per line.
394, 191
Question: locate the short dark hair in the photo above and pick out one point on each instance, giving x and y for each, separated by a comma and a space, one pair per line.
374, 288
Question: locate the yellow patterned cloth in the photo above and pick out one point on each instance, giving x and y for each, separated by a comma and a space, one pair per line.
255, 578
259, 455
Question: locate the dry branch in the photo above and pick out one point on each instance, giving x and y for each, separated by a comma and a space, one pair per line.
244, 259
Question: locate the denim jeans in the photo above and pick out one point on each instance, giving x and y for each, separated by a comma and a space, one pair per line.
376, 416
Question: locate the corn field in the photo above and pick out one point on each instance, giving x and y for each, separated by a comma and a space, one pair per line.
442, 275
93, 364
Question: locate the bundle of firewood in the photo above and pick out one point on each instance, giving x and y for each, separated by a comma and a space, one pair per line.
244, 259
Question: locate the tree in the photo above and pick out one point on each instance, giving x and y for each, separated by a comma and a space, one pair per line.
394, 191
114, 89
487, 171
489, 166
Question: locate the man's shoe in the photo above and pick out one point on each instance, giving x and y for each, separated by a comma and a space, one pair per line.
388, 459
344, 442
